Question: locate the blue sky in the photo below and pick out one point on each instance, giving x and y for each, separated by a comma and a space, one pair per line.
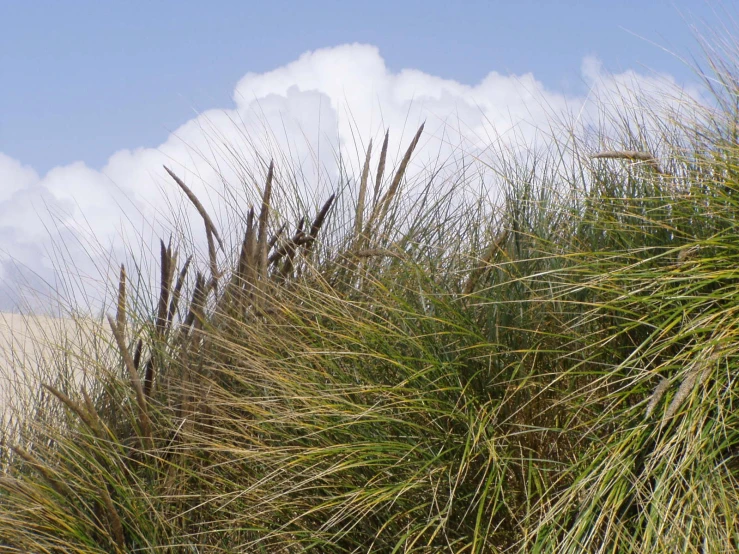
95, 96
83, 79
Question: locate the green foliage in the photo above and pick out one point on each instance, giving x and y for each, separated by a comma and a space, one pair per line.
557, 374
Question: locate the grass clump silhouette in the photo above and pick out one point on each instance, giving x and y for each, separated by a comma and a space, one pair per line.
554, 375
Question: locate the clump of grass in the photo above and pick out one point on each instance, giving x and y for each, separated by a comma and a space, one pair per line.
555, 374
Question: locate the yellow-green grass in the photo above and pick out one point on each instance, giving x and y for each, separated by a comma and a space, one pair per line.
395, 371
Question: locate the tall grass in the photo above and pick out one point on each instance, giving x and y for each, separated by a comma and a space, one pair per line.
407, 368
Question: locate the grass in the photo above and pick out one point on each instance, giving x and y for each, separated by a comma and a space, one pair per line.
408, 368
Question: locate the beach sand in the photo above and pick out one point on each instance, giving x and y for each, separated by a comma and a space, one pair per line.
30, 355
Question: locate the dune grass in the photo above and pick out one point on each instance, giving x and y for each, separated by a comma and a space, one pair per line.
415, 369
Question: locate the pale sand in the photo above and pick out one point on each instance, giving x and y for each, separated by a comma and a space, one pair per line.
27, 355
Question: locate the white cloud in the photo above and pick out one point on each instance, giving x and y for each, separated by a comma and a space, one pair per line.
14, 177
308, 109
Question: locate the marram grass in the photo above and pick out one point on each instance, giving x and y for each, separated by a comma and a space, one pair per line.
557, 374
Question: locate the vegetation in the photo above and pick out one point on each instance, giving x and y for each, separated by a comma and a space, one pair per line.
408, 368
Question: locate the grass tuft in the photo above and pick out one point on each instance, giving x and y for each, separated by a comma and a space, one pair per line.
419, 371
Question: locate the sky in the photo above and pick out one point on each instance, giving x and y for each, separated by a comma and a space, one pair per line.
94, 96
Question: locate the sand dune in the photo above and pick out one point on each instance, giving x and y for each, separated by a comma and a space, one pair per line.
30, 353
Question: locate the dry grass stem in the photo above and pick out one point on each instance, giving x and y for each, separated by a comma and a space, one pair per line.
174, 303
361, 199
90, 419
210, 227
657, 394
114, 519
61, 488
382, 207
635, 155
263, 223
121, 313
380, 171
144, 421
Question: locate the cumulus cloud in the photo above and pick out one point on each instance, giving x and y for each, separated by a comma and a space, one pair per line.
325, 102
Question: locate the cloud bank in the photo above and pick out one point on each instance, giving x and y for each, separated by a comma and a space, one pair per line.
326, 102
